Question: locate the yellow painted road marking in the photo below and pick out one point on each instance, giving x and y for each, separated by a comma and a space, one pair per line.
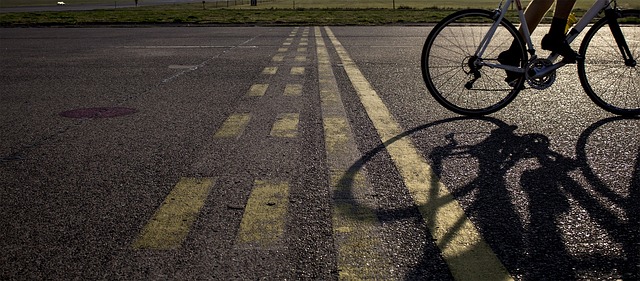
302, 50
233, 126
355, 227
286, 43
278, 58
286, 125
282, 50
172, 221
293, 90
258, 90
297, 70
461, 245
264, 216
270, 70
301, 58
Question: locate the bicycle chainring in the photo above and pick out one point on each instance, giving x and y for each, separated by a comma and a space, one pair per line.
542, 82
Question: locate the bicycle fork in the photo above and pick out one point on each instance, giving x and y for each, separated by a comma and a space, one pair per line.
612, 16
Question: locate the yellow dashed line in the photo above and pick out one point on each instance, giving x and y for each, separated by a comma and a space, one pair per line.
270, 70
258, 90
282, 50
233, 126
462, 246
278, 58
301, 58
297, 70
264, 216
293, 90
301, 49
286, 125
172, 221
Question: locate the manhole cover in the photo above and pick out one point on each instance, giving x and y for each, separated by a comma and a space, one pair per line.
98, 112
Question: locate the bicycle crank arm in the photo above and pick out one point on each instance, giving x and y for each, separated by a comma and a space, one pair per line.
545, 71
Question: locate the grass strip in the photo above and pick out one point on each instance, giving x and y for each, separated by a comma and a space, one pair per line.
212, 13
137, 16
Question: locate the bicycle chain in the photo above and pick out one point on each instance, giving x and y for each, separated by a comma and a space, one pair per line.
543, 82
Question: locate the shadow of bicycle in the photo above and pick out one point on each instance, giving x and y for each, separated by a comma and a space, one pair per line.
545, 215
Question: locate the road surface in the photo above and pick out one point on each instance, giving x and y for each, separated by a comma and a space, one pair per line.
235, 153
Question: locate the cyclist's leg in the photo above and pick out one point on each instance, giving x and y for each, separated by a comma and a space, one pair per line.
563, 9
555, 39
533, 14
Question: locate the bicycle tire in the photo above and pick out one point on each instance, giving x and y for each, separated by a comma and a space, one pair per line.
611, 84
445, 61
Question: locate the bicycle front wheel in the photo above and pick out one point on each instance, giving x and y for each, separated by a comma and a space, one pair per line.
610, 82
461, 81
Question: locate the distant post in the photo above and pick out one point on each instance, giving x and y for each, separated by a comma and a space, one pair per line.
136, 3
254, 2
202, 5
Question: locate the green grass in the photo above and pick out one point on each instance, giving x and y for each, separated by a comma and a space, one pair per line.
306, 12
22, 3
224, 16
416, 4
321, 4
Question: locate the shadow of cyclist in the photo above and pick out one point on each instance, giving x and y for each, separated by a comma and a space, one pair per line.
520, 192
492, 208
533, 244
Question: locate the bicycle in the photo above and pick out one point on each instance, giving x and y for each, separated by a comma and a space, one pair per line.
465, 45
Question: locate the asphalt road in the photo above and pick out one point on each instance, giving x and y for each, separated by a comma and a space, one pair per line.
238, 153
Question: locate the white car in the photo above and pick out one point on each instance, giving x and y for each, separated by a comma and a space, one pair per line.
61, 4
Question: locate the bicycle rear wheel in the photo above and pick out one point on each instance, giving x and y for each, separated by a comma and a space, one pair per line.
449, 69
609, 82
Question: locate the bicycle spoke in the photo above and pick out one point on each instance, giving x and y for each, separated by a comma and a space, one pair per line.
608, 80
451, 73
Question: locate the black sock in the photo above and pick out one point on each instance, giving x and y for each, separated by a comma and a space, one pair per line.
558, 27
515, 46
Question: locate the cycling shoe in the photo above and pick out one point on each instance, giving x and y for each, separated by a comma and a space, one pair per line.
510, 57
561, 47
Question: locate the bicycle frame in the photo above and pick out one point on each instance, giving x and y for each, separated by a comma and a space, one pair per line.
595, 9
483, 46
